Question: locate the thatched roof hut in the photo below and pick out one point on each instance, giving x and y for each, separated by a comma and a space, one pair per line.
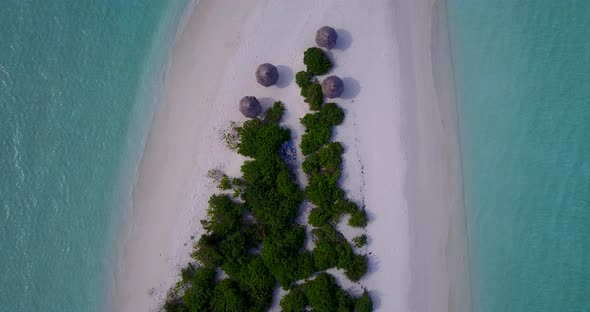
250, 107
332, 87
267, 74
326, 37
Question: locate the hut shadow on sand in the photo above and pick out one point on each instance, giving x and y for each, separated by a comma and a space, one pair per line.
344, 39
266, 103
285, 76
352, 88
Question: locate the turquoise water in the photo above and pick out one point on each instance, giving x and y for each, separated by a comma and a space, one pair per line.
78, 83
522, 71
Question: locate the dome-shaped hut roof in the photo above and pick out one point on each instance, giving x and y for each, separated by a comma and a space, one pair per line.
250, 107
267, 74
332, 87
326, 37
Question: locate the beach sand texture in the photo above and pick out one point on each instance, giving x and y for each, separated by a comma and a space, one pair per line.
399, 133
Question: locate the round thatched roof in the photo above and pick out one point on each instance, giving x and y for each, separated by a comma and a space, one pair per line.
332, 87
267, 74
326, 37
250, 107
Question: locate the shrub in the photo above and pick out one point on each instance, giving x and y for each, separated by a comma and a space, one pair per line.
258, 283
224, 183
271, 194
258, 139
327, 160
318, 127
294, 301
325, 256
318, 217
311, 90
238, 182
303, 79
234, 247
358, 219
305, 265
345, 301
317, 61
187, 273
357, 268
198, 296
230, 136
359, 241
175, 306
364, 303
320, 292
224, 215
331, 248
323, 192
323, 294
312, 140
327, 232
346, 206
274, 114
270, 191
330, 156
314, 96
227, 297
332, 114
206, 251
311, 165
281, 256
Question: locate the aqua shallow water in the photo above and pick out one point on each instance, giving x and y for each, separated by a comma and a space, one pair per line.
78, 82
522, 71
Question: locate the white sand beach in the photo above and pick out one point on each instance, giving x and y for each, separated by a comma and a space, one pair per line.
401, 156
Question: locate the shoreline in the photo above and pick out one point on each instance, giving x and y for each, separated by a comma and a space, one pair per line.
439, 254
184, 142
148, 258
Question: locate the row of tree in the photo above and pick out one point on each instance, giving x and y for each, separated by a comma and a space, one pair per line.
323, 167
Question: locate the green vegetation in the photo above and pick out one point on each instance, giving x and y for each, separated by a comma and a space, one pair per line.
328, 160
316, 61
236, 231
281, 255
318, 127
323, 167
313, 96
238, 187
364, 303
226, 237
303, 79
323, 294
198, 296
294, 301
230, 136
224, 183
333, 250
252, 237
358, 219
311, 90
227, 297
360, 241
356, 267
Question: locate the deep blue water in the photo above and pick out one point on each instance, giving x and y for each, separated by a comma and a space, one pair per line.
522, 71
78, 83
